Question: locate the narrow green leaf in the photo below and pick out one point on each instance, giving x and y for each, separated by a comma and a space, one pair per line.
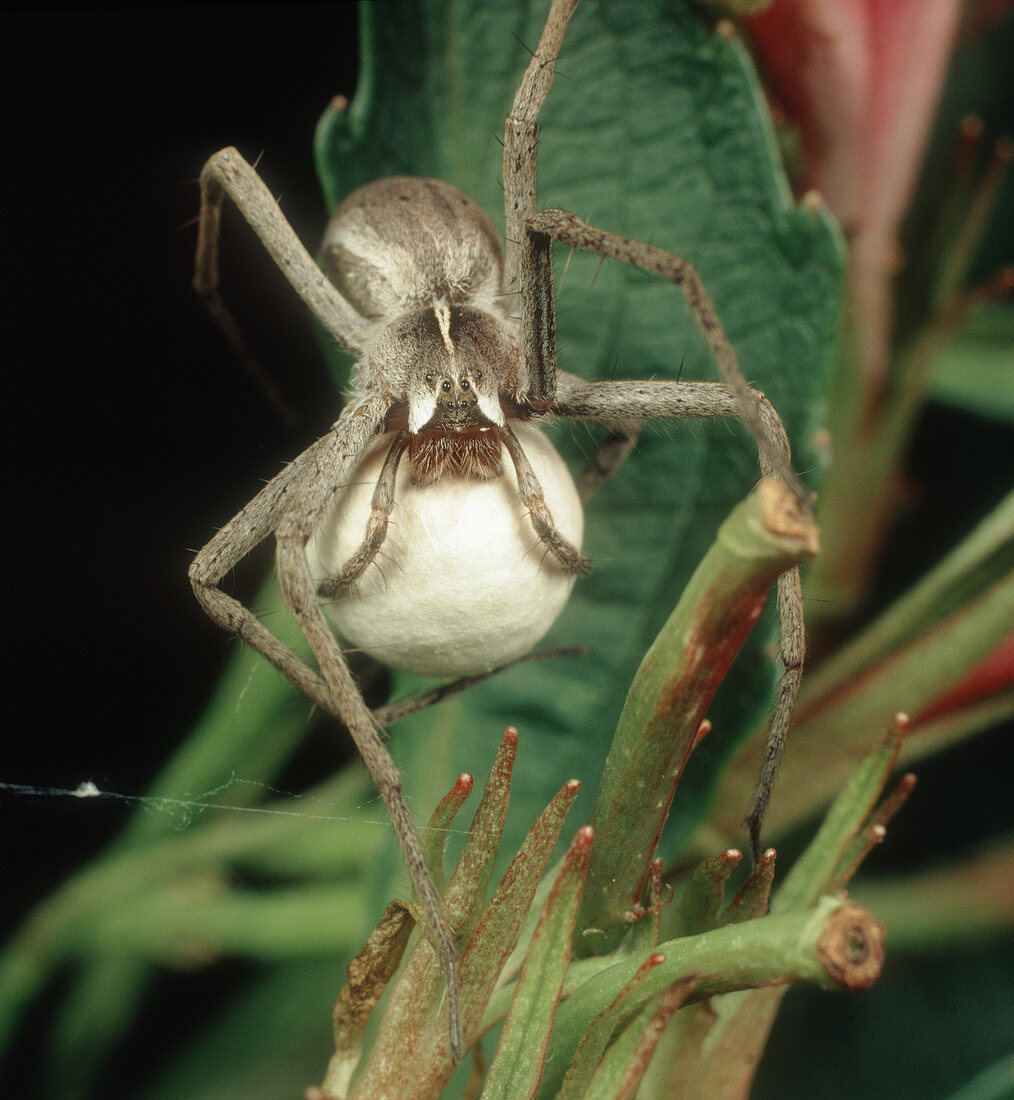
814, 871
497, 934
279, 924
955, 725
465, 897
714, 1049
704, 895
595, 1040
753, 898
621, 1070
132, 895
517, 1065
435, 836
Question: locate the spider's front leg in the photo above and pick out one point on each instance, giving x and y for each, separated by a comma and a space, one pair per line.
246, 530
291, 505
227, 173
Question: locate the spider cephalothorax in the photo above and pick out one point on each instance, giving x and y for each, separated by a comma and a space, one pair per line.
452, 374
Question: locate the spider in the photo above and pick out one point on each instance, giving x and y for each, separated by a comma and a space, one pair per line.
447, 383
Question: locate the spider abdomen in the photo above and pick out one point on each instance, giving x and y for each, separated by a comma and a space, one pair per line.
404, 242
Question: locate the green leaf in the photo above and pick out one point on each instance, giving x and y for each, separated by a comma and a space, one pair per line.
974, 370
616, 1016
623, 1067
814, 872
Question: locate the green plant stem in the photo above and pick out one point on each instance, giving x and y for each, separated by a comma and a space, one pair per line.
670, 695
777, 949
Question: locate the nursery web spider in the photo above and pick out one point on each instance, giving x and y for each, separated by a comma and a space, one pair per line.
418, 290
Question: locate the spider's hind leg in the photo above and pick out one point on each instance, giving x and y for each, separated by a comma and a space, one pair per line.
609, 456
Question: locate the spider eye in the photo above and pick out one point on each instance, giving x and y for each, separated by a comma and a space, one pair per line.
445, 386
464, 383
429, 376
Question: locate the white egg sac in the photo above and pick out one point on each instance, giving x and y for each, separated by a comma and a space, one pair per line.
462, 582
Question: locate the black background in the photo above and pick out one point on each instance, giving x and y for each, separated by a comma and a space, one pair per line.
131, 429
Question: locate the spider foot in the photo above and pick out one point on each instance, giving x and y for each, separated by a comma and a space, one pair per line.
341, 585
572, 560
